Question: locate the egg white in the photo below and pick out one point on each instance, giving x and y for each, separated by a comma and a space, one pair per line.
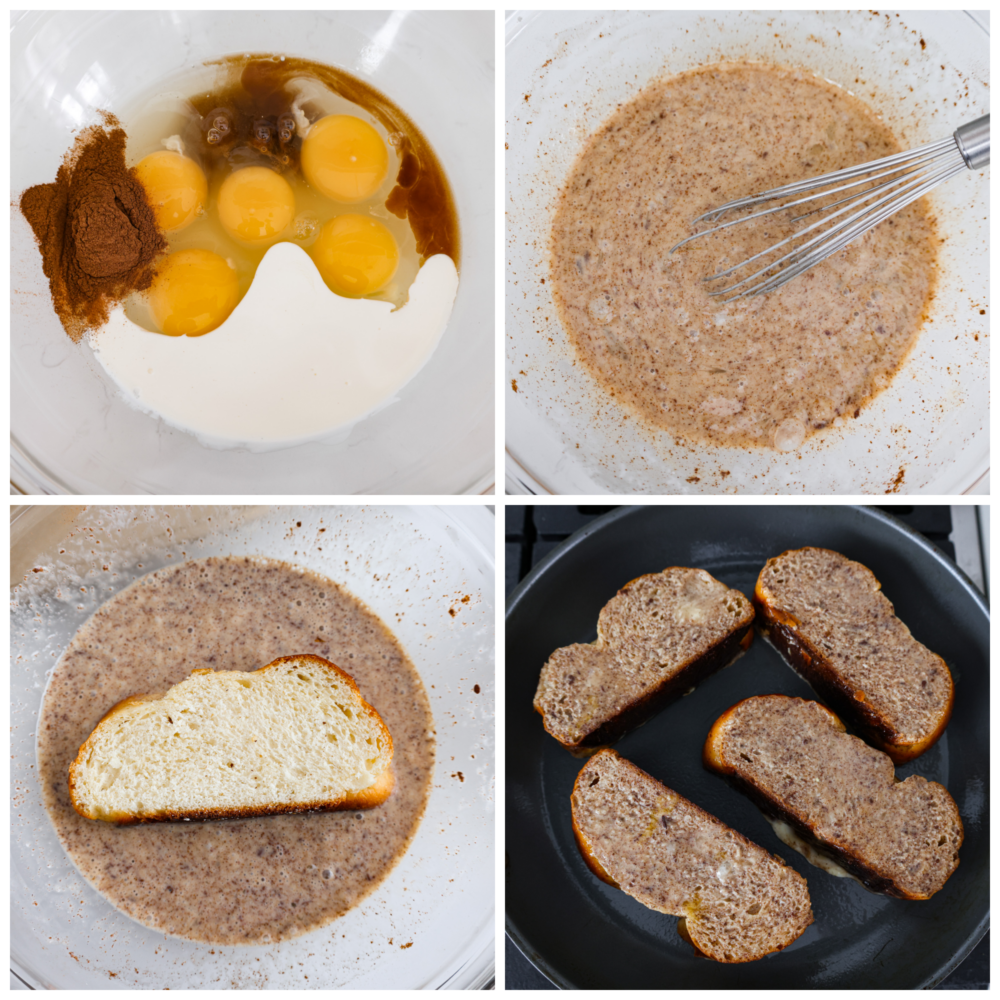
292, 361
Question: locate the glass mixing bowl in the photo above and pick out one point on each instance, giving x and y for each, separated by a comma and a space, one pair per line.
926, 72
66, 561
71, 431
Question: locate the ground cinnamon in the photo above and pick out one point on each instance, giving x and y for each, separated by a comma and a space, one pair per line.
95, 229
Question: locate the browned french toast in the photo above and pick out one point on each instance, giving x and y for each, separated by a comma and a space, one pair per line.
656, 640
835, 799
827, 616
737, 902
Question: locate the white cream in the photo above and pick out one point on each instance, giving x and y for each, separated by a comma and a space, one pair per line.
293, 360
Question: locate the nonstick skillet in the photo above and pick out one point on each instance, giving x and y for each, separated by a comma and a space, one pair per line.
584, 934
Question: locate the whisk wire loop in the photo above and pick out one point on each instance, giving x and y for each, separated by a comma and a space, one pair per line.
887, 163
904, 178
854, 225
833, 246
746, 202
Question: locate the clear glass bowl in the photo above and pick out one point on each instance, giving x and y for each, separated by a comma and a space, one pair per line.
926, 71
440, 896
71, 432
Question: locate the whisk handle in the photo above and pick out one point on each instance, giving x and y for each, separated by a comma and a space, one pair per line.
974, 142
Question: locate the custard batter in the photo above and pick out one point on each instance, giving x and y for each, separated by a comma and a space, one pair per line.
234, 881
765, 371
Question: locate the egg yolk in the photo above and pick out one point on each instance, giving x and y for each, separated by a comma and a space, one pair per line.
193, 292
344, 158
355, 255
175, 186
255, 204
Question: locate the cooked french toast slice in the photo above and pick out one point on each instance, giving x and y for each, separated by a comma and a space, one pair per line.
656, 640
736, 901
829, 619
831, 793
293, 736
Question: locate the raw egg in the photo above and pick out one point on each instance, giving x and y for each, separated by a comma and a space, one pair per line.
344, 158
194, 291
355, 255
175, 186
256, 204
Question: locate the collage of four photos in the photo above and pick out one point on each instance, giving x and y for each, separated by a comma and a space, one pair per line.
334, 324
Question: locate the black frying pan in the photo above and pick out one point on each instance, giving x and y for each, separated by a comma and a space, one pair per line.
582, 933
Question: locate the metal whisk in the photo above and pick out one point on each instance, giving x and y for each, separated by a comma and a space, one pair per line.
904, 178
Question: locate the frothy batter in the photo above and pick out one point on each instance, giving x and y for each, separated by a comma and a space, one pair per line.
241, 881
766, 371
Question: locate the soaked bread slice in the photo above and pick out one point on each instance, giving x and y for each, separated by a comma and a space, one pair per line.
661, 635
293, 736
833, 794
827, 616
737, 902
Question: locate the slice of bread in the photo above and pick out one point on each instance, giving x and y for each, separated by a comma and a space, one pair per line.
737, 902
661, 635
838, 795
293, 736
827, 616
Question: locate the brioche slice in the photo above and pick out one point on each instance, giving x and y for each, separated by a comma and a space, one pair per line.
737, 902
293, 736
826, 615
661, 635
837, 795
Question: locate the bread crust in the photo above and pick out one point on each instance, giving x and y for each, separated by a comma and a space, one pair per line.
369, 797
642, 708
587, 850
771, 806
787, 636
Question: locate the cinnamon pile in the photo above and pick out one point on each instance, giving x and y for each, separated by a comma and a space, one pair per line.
95, 229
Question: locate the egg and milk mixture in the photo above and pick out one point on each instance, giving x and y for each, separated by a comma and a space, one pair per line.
312, 250
768, 371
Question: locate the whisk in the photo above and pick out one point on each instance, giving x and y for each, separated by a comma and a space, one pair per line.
903, 178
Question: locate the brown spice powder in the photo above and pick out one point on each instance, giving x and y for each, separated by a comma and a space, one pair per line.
95, 229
